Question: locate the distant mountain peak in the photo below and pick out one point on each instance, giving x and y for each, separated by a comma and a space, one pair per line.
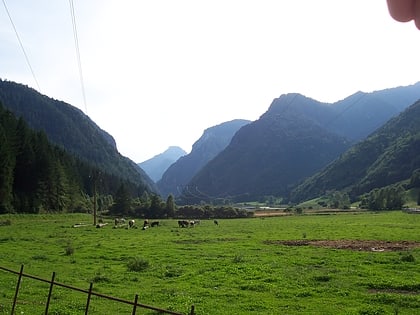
212, 142
157, 165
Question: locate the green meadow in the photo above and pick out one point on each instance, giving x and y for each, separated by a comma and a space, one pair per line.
240, 266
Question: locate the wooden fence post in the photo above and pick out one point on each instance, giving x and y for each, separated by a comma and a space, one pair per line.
17, 290
136, 298
49, 293
88, 298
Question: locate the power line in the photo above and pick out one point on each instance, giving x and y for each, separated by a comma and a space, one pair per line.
21, 45
76, 43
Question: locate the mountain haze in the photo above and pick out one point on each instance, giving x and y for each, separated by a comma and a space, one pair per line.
213, 141
157, 165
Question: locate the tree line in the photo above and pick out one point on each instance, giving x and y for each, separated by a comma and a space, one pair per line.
152, 206
38, 177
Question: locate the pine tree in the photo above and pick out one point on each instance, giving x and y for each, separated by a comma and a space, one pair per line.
170, 206
122, 203
6, 173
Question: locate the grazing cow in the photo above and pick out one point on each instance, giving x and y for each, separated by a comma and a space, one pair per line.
216, 222
118, 221
131, 223
154, 223
146, 223
183, 223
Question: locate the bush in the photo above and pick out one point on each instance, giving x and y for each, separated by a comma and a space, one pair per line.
172, 271
5, 222
408, 258
100, 277
137, 264
69, 249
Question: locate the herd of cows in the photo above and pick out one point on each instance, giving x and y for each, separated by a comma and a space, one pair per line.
121, 222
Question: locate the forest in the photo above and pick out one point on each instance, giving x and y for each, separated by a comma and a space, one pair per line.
38, 177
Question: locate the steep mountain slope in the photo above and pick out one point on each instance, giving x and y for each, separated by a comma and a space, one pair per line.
362, 113
268, 155
157, 165
389, 155
213, 141
67, 127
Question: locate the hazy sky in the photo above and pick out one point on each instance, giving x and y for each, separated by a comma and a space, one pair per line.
159, 72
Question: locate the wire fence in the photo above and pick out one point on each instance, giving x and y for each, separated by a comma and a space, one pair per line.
52, 283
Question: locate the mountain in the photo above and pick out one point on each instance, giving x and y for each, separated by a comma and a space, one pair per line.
212, 142
389, 155
67, 127
269, 155
157, 165
36, 176
360, 114
295, 138
354, 117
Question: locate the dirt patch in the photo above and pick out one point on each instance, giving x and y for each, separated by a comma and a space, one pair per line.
260, 213
359, 245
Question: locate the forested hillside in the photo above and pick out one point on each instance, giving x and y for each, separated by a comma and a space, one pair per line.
36, 176
67, 127
388, 156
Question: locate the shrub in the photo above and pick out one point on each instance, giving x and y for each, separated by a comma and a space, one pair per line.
137, 264
172, 271
238, 258
69, 249
5, 222
100, 277
408, 258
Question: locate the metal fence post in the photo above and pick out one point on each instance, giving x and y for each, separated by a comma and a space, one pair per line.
136, 298
49, 293
17, 289
88, 298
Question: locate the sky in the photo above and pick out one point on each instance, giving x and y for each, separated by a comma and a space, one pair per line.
157, 73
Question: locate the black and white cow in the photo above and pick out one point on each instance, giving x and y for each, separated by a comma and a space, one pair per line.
183, 223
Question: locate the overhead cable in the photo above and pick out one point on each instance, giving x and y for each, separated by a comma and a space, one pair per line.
76, 43
21, 46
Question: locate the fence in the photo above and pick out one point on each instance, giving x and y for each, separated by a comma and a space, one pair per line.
89, 293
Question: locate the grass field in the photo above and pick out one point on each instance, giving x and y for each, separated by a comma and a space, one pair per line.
242, 266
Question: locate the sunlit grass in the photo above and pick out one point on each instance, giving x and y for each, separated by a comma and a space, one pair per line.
225, 269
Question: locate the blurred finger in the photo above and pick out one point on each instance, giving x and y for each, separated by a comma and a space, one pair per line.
402, 10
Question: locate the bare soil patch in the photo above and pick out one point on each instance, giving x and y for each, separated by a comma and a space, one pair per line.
260, 213
357, 245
